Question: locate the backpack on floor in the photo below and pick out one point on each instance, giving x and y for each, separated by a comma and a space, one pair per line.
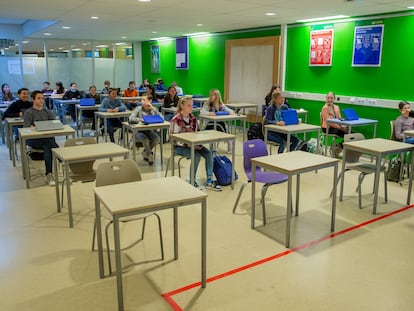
302, 145
394, 168
255, 131
222, 169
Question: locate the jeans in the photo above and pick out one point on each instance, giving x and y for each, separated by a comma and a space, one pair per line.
149, 139
409, 140
46, 144
203, 152
71, 109
112, 125
280, 139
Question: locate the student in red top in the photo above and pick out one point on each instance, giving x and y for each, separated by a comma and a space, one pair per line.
131, 91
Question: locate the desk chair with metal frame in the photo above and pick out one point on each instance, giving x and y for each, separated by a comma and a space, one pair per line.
403, 156
252, 149
333, 139
118, 172
352, 163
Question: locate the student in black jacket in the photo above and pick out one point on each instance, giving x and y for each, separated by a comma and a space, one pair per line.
72, 93
16, 109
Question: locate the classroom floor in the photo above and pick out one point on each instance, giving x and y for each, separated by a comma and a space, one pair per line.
45, 265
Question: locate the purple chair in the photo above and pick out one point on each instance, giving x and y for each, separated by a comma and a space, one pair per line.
252, 149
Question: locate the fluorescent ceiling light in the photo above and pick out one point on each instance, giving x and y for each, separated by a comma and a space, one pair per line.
411, 7
65, 27
144, 0
196, 34
47, 34
94, 17
60, 48
270, 14
199, 25
123, 37
102, 46
25, 42
77, 49
161, 39
154, 31
321, 18
120, 43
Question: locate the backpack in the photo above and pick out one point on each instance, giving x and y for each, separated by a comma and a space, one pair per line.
394, 169
222, 169
302, 145
255, 131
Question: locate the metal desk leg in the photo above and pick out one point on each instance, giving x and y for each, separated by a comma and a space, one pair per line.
288, 142
297, 194
233, 159
192, 169
175, 216
117, 243
203, 242
97, 128
335, 181
69, 195
342, 174
55, 172
289, 211
410, 184
99, 236
376, 183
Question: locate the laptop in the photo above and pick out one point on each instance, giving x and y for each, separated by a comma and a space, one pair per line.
48, 125
152, 119
290, 116
350, 114
87, 102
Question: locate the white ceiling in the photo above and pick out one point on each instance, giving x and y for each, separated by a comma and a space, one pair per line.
137, 21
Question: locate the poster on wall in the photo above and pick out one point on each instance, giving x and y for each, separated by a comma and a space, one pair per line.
155, 59
367, 45
321, 43
181, 53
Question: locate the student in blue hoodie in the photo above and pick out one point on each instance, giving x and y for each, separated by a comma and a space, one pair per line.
112, 104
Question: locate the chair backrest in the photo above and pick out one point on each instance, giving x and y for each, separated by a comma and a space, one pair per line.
117, 172
392, 126
353, 156
81, 168
252, 149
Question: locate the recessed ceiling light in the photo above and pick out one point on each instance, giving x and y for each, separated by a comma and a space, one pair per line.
270, 14
123, 37
84, 44
411, 7
65, 27
196, 34
60, 48
144, 0
161, 39
102, 46
199, 25
321, 18
47, 34
52, 50
94, 17
154, 31
120, 43
25, 42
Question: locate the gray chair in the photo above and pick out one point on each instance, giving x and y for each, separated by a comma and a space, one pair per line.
119, 172
352, 162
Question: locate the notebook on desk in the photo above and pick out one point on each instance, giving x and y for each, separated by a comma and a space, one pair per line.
350, 114
48, 125
290, 116
87, 102
152, 119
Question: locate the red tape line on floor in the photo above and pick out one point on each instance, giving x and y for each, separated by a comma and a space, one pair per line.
176, 307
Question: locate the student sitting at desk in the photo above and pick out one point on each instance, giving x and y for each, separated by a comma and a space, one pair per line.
148, 138
107, 86
17, 109
131, 91
72, 93
274, 116
170, 100
90, 114
112, 104
331, 111
404, 123
6, 94
59, 90
39, 113
151, 90
268, 98
184, 121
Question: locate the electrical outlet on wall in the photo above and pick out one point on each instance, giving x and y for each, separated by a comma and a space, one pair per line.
372, 102
361, 101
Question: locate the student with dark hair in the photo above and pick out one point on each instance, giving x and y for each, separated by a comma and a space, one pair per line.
131, 91
170, 100
268, 98
6, 94
107, 86
46, 87
59, 89
151, 91
90, 114
112, 104
39, 113
72, 93
404, 122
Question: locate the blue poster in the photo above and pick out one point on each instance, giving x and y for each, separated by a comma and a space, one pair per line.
367, 45
181, 53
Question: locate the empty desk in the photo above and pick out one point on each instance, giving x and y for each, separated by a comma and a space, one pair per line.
119, 202
291, 164
10, 123
76, 154
108, 115
79, 119
224, 118
242, 106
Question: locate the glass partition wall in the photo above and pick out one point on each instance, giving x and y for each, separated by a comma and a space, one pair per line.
84, 62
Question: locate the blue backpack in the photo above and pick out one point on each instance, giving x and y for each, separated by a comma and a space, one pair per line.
222, 169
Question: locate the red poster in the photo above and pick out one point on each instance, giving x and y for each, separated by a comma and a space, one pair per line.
321, 47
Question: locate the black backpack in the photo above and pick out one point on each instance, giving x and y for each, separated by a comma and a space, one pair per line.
255, 131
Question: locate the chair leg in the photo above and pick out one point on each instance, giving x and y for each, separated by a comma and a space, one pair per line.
264, 190
360, 178
385, 186
179, 166
239, 195
144, 222
338, 179
94, 235
168, 166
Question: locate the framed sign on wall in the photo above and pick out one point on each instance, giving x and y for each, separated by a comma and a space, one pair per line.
321, 43
367, 45
155, 59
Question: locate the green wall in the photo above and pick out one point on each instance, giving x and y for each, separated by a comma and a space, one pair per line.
206, 61
393, 80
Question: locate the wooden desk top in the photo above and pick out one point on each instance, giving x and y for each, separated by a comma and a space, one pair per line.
28, 132
360, 121
378, 146
294, 162
202, 137
223, 118
14, 121
241, 105
293, 128
409, 133
95, 107
146, 195
113, 114
89, 151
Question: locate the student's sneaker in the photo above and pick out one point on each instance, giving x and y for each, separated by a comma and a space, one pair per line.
196, 184
144, 156
213, 185
151, 159
50, 180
